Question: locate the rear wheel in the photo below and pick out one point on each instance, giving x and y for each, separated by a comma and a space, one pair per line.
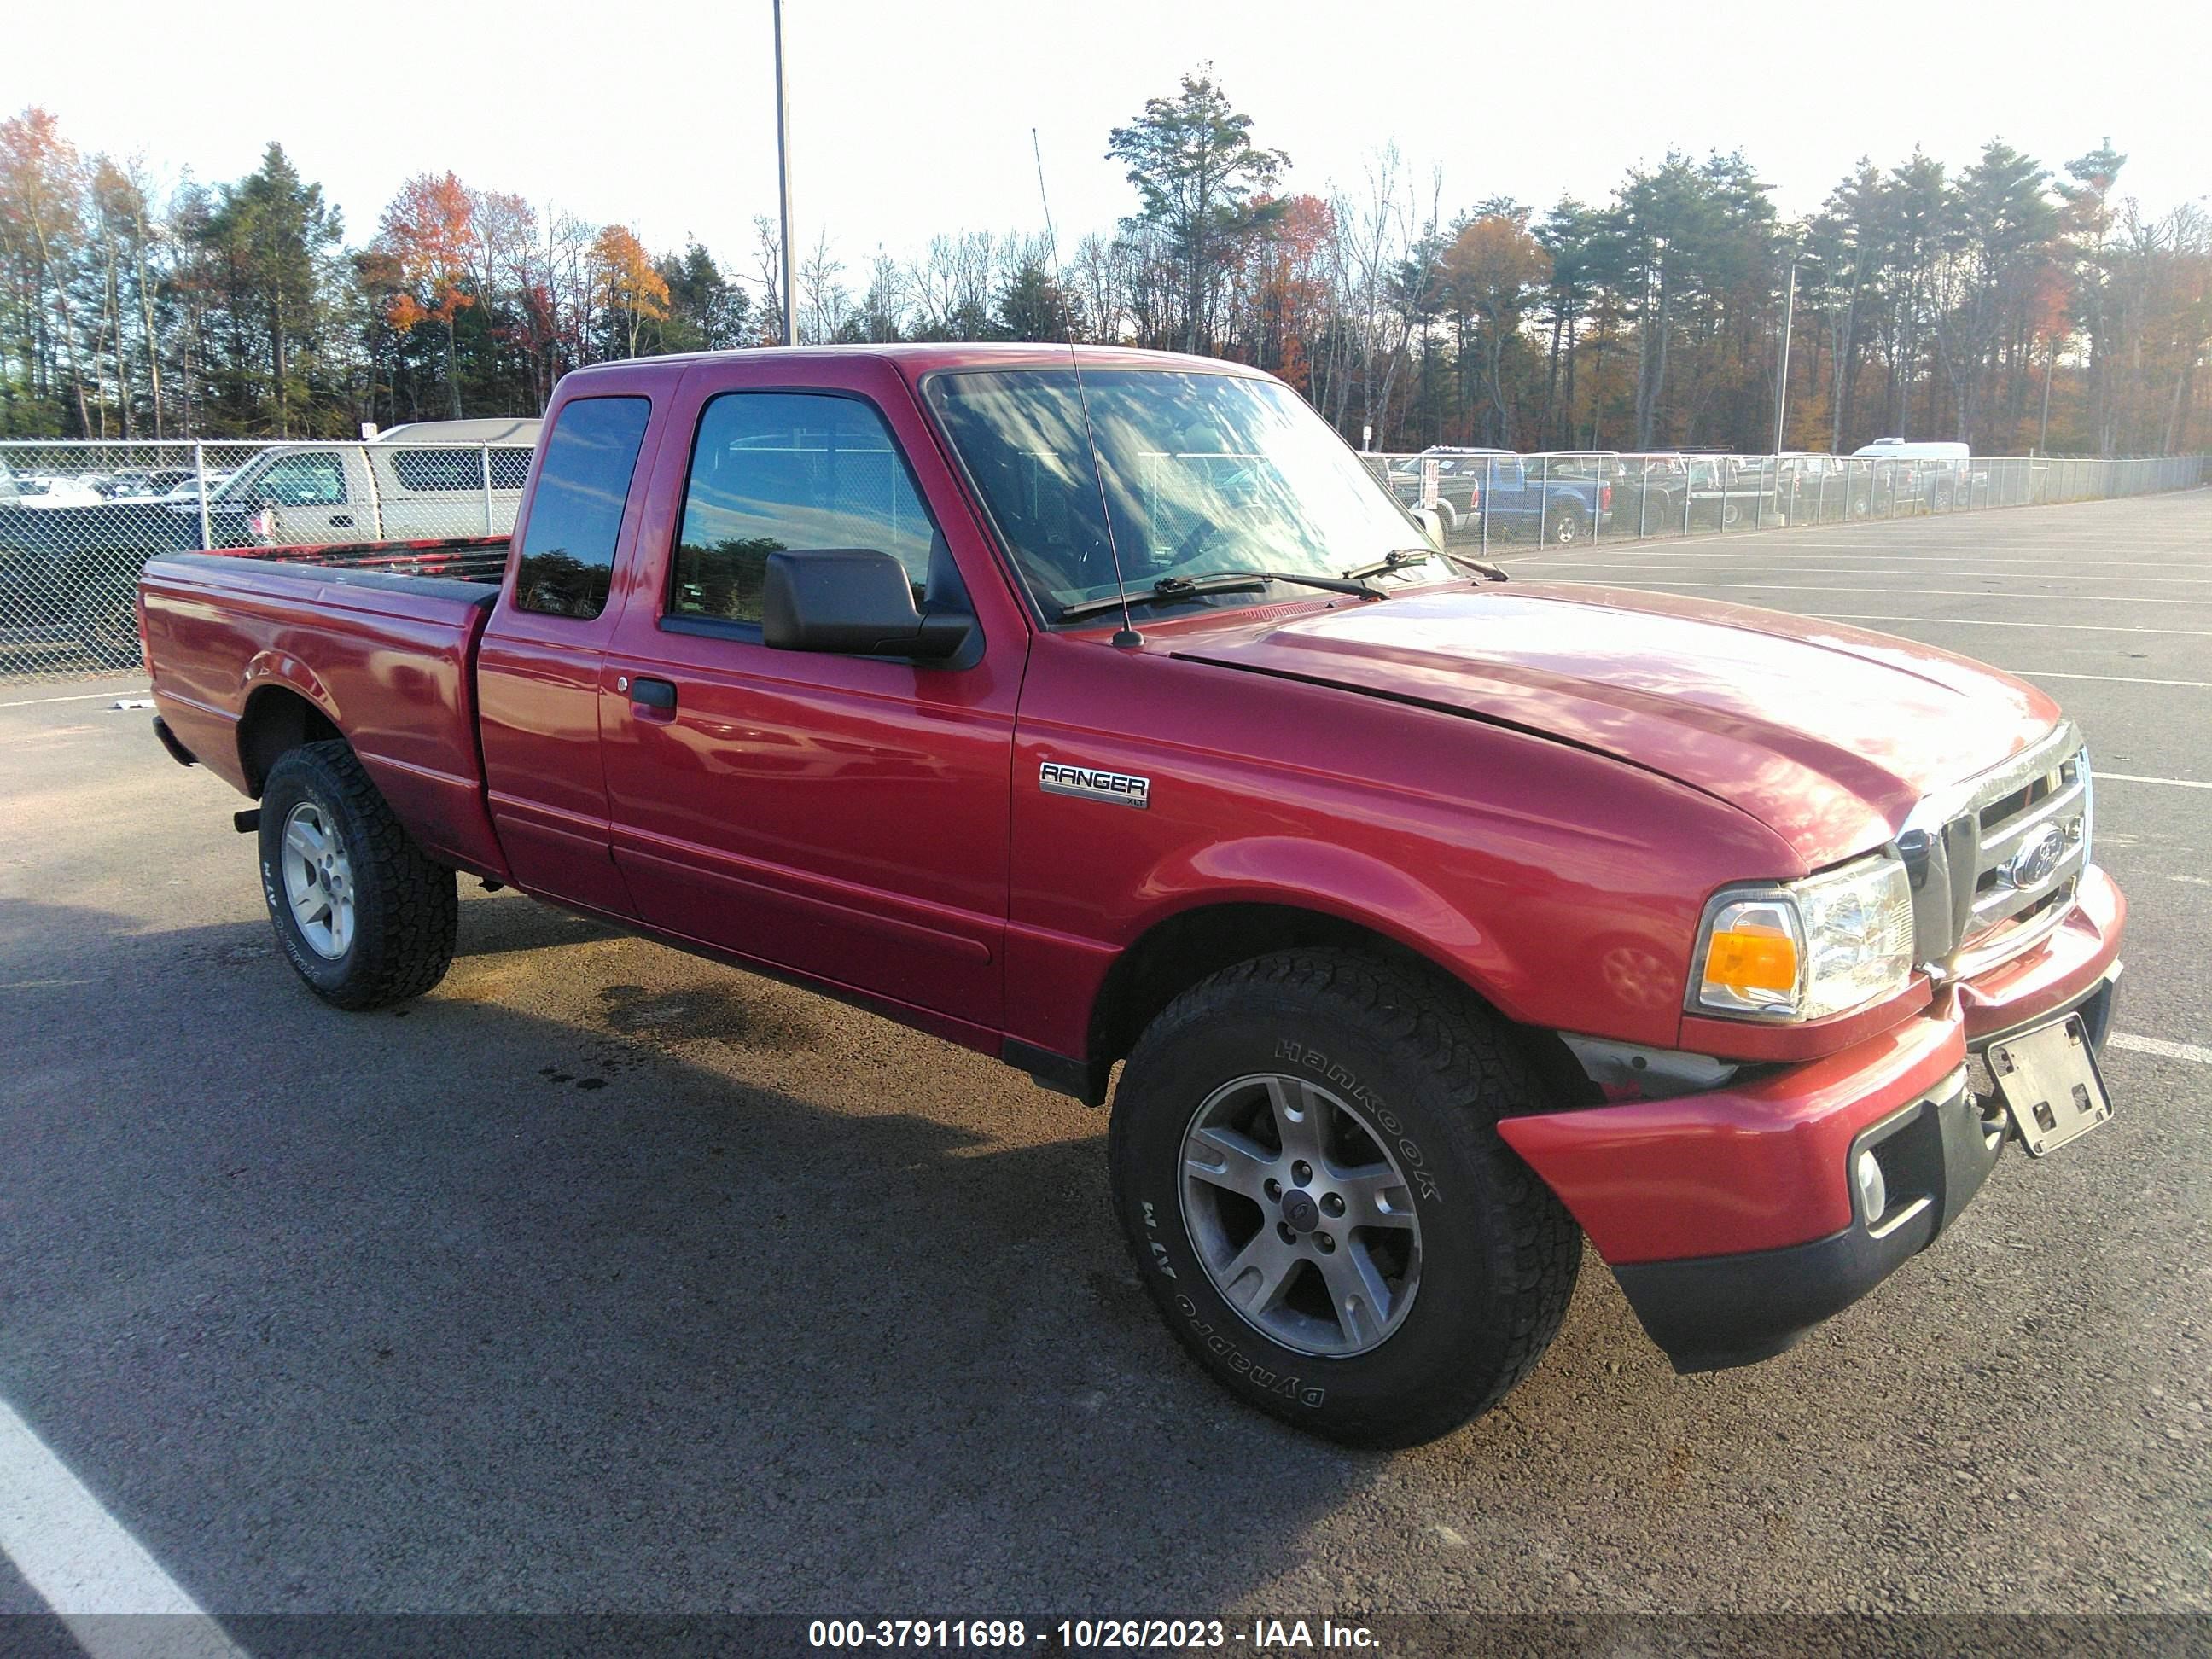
1566, 528
365, 916
1306, 1163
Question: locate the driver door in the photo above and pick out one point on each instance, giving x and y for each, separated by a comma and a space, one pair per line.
841, 817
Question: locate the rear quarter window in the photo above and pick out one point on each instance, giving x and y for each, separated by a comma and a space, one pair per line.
575, 515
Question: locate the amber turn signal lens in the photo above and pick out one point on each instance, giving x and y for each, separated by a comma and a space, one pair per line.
1751, 962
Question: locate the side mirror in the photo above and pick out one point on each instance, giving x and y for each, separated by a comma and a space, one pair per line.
1432, 523
855, 601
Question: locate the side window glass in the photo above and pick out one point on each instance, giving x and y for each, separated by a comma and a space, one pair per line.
306, 481
777, 471
568, 550
430, 470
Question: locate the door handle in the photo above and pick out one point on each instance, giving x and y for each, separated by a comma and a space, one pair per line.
652, 694
341, 520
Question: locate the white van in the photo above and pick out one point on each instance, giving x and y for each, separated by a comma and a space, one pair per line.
1902, 450
1935, 475
429, 480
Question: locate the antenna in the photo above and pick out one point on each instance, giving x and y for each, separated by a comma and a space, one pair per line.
1128, 634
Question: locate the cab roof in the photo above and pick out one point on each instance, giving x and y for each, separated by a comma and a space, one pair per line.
915, 359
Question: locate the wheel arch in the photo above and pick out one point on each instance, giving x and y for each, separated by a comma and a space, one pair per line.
278, 718
1178, 951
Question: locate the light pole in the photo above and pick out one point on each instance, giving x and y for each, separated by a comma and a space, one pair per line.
783, 185
1782, 379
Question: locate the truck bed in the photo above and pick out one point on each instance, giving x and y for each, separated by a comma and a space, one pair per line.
380, 640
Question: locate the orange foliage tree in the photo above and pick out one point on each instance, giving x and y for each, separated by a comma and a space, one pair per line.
625, 285
1489, 275
424, 248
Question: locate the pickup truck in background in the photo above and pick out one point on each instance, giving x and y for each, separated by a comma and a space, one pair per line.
1456, 499
431, 479
1435, 921
1558, 500
73, 570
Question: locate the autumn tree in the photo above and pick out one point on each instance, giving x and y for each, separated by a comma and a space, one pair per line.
42, 183
626, 287
1489, 275
427, 239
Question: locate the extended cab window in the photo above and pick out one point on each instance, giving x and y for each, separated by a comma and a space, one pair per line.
569, 548
774, 470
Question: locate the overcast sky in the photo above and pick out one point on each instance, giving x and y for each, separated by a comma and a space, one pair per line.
911, 119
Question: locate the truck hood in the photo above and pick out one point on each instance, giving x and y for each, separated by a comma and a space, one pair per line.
1826, 734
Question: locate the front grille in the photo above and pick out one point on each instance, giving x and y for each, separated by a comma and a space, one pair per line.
1996, 863
2054, 801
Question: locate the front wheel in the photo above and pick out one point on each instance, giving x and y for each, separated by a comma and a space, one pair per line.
365, 916
1306, 1163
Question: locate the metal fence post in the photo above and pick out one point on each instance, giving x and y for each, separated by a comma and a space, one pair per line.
1543, 499
484, 459
1489, 482
199, 475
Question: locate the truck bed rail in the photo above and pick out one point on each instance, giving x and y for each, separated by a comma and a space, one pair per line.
465, 558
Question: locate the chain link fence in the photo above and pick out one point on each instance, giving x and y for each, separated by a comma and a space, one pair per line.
1492, 499
79, 521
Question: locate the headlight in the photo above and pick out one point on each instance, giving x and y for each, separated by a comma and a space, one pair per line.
1800, 949
2089, 809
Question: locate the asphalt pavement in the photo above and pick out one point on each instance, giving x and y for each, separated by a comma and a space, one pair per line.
603, 1278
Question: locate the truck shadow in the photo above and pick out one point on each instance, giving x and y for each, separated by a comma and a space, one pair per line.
703, 1294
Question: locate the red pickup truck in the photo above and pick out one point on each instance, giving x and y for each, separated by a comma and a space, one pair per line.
1102, 709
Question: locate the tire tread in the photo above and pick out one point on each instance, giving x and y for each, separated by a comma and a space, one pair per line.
1443, 1030
417, 907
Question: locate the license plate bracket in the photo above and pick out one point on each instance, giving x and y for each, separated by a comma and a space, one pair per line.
2049, 1082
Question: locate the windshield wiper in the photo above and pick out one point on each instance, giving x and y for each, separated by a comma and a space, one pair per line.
1482, 567
1407, 557
1170, 589
1398, 559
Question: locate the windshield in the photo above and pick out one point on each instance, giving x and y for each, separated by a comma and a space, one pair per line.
1206, 473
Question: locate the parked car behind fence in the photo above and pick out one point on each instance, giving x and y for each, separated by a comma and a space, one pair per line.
67, 567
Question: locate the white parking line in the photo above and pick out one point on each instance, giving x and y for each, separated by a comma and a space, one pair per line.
2161, 1047
84, 1565
1872, 567
1683, 558
2103, 776
1985, 622
1932, 593
90, 696
2109, 679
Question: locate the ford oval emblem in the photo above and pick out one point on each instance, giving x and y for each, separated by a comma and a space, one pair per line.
2038, 859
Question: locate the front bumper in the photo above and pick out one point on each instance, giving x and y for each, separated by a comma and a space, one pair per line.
1729, 1216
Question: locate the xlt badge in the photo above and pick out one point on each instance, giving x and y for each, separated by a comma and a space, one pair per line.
1058, 778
